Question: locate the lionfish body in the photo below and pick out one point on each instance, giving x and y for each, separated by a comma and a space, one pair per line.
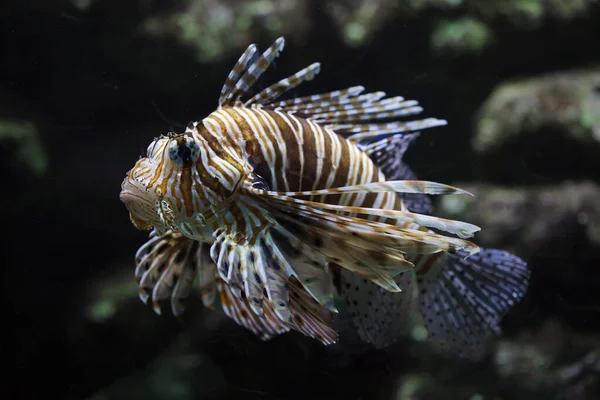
283, 207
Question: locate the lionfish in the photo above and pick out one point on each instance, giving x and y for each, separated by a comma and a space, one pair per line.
287, 209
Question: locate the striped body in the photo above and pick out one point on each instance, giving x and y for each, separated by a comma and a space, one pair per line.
292, 154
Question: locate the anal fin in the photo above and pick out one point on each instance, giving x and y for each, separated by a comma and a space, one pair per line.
379, 316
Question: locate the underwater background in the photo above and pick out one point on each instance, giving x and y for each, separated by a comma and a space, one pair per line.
86, 84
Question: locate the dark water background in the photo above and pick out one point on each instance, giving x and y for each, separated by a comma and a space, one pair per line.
97, 88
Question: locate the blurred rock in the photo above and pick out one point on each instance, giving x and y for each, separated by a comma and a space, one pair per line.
358, 20
550, 360
215, 28
581, 379
105, 295
531, 13
531, 355
177, 373
22, 138
527, 217
547, 362
83, 5
568, 102
465, 35
480, 21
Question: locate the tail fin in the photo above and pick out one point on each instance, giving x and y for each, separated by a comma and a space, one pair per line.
464, 300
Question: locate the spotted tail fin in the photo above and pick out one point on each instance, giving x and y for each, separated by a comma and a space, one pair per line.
463, 300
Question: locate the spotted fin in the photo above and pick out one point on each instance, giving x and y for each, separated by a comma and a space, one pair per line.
379, 316
463, 300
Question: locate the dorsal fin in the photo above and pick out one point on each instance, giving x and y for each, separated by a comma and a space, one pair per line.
277, 89
349, 113
235, 74
252, 71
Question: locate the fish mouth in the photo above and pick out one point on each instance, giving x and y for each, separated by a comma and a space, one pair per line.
140, 202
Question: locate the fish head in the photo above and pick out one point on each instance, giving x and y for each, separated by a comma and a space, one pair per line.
141, 189
181, 180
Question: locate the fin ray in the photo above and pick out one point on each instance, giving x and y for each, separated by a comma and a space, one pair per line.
233, 77
165, 269
307, 102
207, 273
464, 300
255, 70
462, 229
238, 309
278, 89
421, 187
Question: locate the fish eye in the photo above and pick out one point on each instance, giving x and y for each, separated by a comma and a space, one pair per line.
183, 151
